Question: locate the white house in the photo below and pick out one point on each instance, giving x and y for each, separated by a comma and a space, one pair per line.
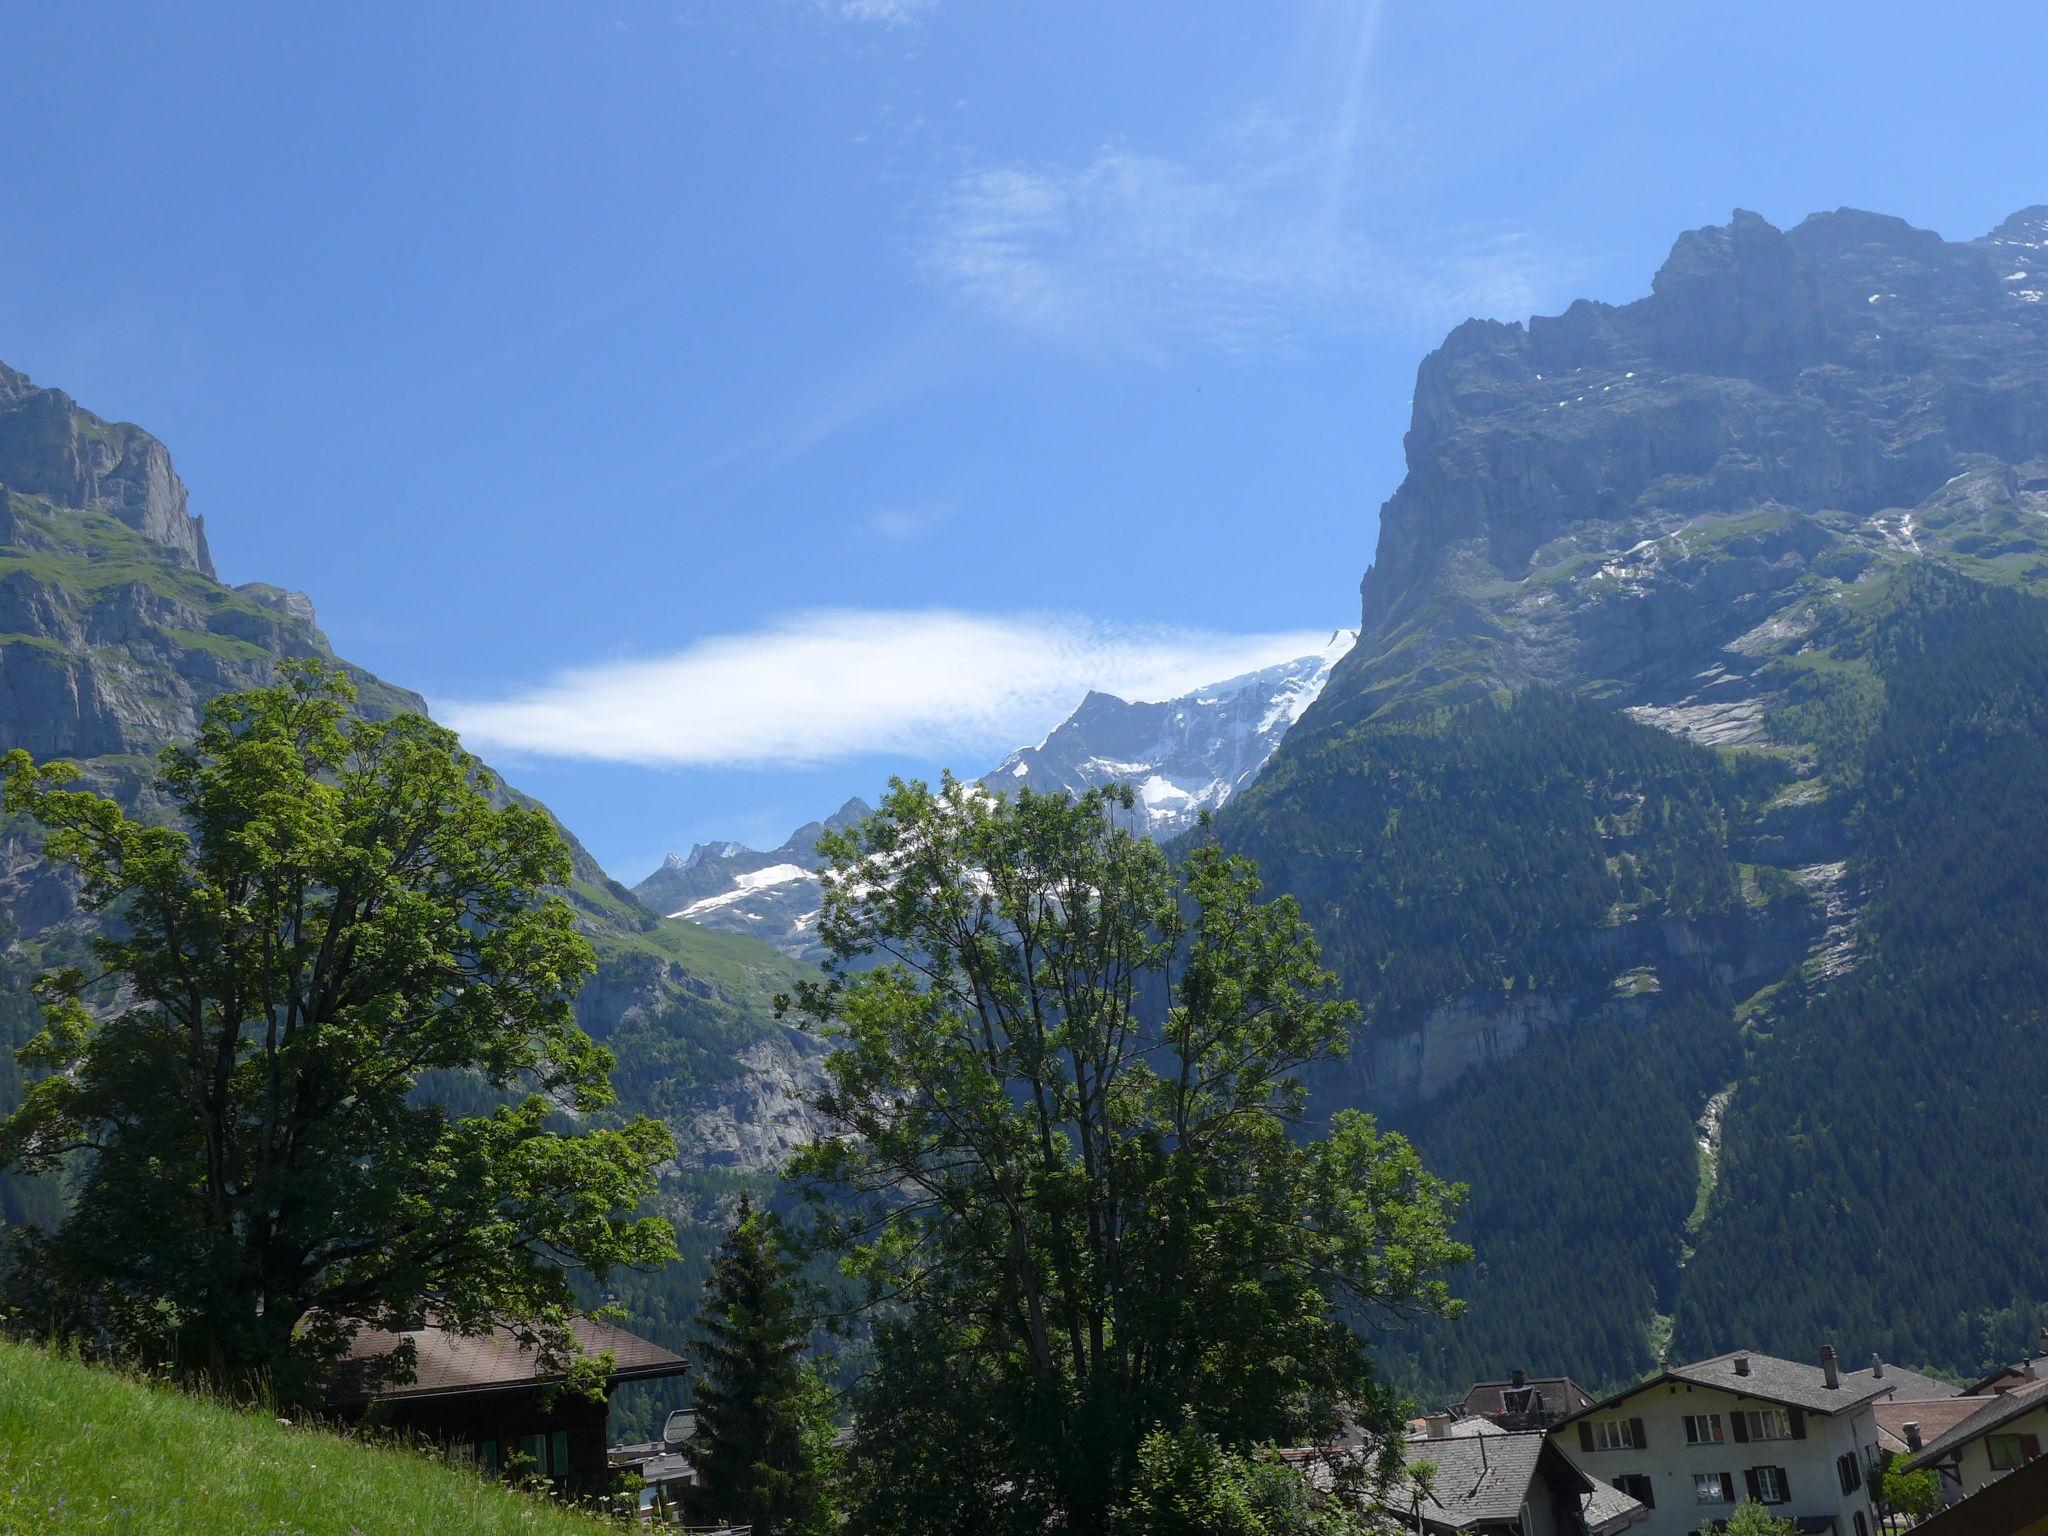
1695, 1440
2007, 1431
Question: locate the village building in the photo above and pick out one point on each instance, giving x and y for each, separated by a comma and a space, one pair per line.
1486, 1482
1524, 1401
2003, 1435
1695, 1440
488, 1400
2014, 1505
663, 1467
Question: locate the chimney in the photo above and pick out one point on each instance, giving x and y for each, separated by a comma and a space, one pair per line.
1742, 1365
1517, 1379
1876, 1367
1438, 1425
1912, 1429
1828, 1368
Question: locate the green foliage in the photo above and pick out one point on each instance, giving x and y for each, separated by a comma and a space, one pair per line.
1468, 851
1753, 1519
337, 909
1888, 1125
1092, 1225
763, 1445
1582, 1160
1186, 1484
1913, 1494
89, 1452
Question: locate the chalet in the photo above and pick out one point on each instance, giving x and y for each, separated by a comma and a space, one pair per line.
1524, 1401
2003, 1435
1695, 1440
489, 1401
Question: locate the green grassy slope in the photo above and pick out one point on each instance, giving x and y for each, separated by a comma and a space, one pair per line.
83, 1450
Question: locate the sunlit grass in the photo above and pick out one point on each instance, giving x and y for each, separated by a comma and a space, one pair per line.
86, 1450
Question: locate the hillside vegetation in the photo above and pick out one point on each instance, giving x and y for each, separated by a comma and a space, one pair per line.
85, 1450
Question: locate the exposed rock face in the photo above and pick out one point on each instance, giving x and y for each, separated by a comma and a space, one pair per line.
773, 896
114, 635
1183, 756
1654, 498
51, 448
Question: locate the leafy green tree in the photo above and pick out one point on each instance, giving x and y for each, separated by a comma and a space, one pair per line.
333, 908
1065, 1117
1754, 1519
762, 1449
1916, 1495
1186, 1484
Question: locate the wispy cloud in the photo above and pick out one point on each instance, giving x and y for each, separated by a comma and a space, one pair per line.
901, 525
890, 13
1283, 226
834, 684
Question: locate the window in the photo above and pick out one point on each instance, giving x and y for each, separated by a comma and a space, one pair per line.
1850, 1471
2009, 1451
1768, 1485
1862, 1525
1614, 1435
1766, 1424
1713, 1488
1637, 1487
1703, 1429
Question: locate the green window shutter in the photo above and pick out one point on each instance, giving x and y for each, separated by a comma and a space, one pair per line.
1585, 1434
1741, 1427
1798, 1425
558, 1453
489, 1455
1784, 1486
1635, 1433
1749, 1481
1727, 1488
2030, 1446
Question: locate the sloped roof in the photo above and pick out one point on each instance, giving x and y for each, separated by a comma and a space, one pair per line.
1481, 1478
1935, 1418
1560, 1394
447, 1363
1769, 1379
2007, 1506
2001, 1409
1607, 1508
1907, 1386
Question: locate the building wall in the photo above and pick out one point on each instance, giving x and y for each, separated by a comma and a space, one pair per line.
1973, 1463
464, 1422
1670, 1463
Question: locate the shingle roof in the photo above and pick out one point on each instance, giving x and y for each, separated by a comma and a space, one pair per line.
1768, 1379
2001, 1409
447, 1363
1935, 1418
1607, 1508
1560, 1394
1907, 1386
1480, 1478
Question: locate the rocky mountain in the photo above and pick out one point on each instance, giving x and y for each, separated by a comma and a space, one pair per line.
114, 633
774, 896
1693, 637
1183, 756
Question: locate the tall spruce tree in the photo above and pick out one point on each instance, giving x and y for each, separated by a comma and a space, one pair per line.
763, 1447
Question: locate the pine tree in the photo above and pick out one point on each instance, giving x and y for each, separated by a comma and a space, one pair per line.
763, 1444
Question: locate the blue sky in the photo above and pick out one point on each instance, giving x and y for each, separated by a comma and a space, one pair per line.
720, 405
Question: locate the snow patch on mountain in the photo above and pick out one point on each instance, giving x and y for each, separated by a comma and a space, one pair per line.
1181, 756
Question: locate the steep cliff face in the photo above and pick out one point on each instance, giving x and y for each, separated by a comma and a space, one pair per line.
114, 634
1651, 499
1637, 782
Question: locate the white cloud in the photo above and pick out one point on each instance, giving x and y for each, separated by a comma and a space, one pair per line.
907, 524
933, 684
890, 13
1263, 244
